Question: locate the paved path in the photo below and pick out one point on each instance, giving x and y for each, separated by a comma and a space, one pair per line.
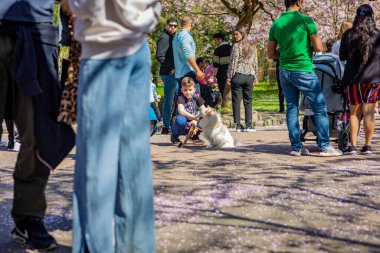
254, 198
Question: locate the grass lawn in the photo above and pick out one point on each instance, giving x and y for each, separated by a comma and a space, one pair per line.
265, 98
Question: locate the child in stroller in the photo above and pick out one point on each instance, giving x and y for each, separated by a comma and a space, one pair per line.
329, 70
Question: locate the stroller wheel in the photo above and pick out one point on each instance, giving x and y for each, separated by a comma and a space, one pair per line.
343, 139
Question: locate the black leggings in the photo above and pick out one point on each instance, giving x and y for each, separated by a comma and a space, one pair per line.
242, 83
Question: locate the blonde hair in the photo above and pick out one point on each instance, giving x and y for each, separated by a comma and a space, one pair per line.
344, 27
188, 82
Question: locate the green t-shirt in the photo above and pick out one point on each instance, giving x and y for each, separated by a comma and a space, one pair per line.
292, 33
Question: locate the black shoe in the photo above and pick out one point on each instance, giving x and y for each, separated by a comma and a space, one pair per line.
174, 139
239, 128
351, 150
249, 128
11, 145
32, 232
195, 139
165, 130
366, 150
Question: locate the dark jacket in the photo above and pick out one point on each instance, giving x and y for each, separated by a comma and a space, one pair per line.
164, 53
357, 72
221, 59
39, 79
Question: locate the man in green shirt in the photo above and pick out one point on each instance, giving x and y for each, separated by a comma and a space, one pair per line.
297, 37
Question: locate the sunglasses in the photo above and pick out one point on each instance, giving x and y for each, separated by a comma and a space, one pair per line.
173, 26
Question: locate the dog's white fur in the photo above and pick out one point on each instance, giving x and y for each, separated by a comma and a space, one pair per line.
216, 133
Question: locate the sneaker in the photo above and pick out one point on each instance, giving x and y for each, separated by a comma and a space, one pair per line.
351, 150
330, 151
3, 144
239, 128
299, 152
366, 150
165, 130
249, 128
174, 139
32, 232
196, 140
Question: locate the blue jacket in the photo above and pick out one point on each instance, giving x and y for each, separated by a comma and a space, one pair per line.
31, 11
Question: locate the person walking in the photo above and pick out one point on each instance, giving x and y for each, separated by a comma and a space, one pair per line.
30, 96
297, 38
164, 56
221, 60
113, 187
241, 76
360, 46
184, 49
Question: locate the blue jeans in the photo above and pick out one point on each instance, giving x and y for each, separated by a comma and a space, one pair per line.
170, 90
179, 125
292, 83
113, 188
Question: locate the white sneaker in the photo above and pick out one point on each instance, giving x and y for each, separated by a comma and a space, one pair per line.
301, 151
16, 147
330, 151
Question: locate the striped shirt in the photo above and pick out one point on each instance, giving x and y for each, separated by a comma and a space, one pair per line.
183, 49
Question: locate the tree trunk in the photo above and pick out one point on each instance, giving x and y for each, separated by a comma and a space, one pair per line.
227, 99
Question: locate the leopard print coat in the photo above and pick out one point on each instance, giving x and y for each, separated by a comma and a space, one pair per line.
67, 112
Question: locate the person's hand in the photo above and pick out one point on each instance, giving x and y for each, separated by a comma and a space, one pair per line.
228, 82
65, 7
200, 75
194, 122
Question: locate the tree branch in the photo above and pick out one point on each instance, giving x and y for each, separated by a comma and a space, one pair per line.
267, 12
229, 6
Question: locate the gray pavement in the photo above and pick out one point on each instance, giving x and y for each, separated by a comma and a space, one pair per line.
254, 198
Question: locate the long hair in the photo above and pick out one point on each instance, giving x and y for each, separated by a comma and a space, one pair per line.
343, 28
360, 40
245, 44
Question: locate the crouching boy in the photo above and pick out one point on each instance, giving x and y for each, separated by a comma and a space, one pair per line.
187, 106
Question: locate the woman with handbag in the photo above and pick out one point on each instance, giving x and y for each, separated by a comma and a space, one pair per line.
241, 76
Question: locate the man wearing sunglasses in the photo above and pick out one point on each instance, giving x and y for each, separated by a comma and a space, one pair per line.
164, 55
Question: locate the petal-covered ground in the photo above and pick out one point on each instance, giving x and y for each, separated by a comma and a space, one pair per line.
254, 198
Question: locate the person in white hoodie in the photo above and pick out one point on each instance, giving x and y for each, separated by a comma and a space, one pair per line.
113, 188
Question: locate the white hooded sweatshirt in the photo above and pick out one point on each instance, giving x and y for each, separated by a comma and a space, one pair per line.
110, 29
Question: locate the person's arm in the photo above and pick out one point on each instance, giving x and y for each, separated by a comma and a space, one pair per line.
317, 43
215, 60
182, 111
162, 48
185, 45
255, 65
233, 64
343, 50
272, 53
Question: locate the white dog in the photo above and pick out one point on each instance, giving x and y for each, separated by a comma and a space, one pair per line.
214, 130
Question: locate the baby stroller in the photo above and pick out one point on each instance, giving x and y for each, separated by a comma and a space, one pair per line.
329, 70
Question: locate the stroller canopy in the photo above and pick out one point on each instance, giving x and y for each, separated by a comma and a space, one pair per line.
329, 70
